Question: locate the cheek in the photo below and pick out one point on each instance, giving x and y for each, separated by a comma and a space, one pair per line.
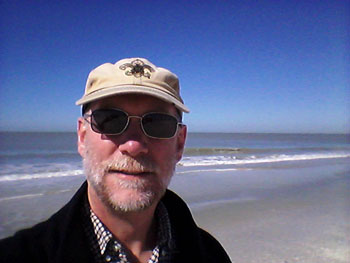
101, 149
165, 155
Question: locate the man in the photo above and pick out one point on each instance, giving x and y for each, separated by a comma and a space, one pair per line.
130, 137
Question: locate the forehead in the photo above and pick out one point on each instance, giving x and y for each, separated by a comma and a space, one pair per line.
134, 103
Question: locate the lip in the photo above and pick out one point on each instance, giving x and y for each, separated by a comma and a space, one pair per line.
130, 173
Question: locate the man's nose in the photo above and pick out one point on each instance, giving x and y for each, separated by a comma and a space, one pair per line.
133, 140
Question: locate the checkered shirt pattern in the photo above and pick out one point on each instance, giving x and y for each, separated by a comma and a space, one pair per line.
103, 235
112, 251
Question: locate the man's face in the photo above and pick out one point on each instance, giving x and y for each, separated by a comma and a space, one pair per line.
130, 171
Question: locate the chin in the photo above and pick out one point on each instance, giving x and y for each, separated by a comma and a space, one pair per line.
125, 196
133, 201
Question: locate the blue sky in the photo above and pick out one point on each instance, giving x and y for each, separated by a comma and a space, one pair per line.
244, 66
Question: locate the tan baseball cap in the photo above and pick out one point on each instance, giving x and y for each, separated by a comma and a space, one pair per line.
133, 75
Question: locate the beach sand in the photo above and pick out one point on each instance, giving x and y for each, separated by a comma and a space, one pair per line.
278, 214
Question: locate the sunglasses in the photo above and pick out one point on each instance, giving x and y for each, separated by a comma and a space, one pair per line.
114, 121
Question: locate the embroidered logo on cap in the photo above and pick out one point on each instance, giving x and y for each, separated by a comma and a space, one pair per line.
137, 69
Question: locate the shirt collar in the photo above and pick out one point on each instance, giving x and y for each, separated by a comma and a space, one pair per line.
164, 233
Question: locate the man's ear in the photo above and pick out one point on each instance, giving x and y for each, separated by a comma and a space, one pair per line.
181, 139
81, 132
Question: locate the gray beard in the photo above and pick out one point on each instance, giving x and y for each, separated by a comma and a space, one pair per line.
146, 193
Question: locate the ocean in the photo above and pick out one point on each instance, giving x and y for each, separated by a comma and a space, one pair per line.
39, 172
26, 156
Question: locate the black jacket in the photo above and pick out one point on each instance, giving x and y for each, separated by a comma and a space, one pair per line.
62, 237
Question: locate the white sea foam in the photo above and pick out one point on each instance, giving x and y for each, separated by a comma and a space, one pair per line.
206, 203
26, 196
20, 197
43, 175
29, 172
229, 160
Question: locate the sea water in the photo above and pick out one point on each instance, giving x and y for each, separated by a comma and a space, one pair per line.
39, 172
26, 156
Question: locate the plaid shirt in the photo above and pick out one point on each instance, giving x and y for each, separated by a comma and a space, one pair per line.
107, 248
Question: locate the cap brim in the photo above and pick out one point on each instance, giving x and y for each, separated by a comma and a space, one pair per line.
129, 89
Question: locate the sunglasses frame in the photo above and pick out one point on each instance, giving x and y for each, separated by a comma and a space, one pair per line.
95, 128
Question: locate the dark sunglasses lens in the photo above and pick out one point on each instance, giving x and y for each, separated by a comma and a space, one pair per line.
109, 121
159, 125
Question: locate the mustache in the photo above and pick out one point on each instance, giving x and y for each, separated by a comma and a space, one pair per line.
128, 164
